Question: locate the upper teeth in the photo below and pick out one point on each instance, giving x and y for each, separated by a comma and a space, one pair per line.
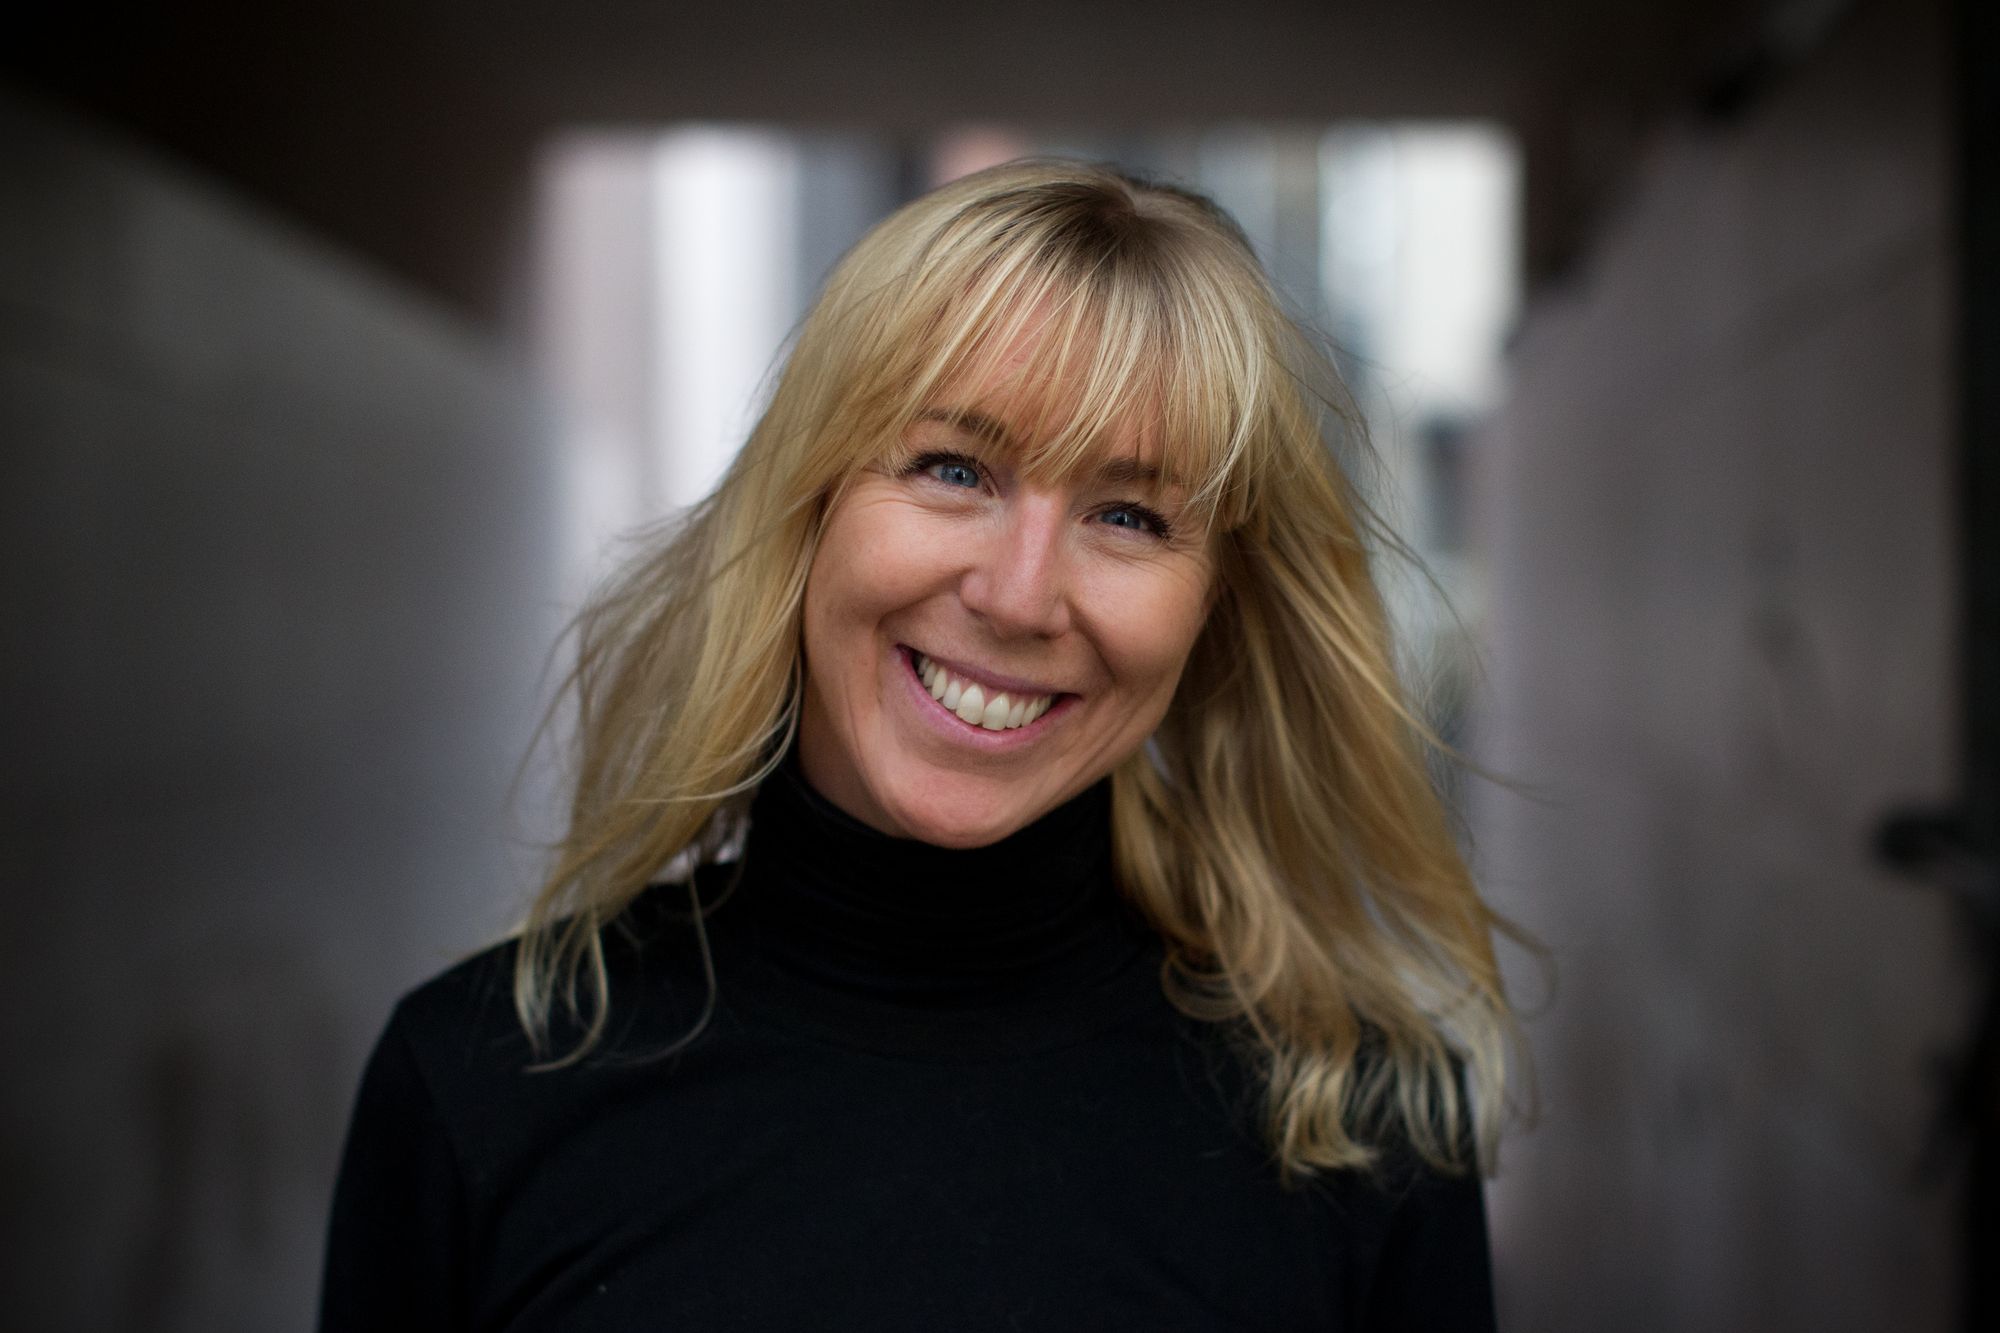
1000, 712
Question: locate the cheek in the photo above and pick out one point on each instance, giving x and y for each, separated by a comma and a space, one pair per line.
1148, 628
869, 565
829, 611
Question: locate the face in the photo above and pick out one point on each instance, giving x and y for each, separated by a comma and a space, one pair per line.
979, 647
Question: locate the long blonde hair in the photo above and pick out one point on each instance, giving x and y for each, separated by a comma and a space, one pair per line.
1281, 829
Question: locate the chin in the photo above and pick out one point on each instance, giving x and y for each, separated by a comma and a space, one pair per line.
969, 819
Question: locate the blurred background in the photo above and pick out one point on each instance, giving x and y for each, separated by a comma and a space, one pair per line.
340, 345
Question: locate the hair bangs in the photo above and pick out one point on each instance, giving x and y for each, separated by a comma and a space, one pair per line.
1087, 356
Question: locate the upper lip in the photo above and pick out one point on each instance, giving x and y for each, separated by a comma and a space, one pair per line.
991, 680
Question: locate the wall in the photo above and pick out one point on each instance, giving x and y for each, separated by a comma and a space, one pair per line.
1718, 515
278, 549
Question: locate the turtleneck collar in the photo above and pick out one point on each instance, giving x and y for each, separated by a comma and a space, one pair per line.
871, 923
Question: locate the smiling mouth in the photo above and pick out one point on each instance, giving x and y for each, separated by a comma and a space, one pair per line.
975, 704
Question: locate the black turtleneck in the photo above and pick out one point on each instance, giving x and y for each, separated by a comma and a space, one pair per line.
938, 1090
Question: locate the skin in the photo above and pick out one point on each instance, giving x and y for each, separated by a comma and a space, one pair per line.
1067, 586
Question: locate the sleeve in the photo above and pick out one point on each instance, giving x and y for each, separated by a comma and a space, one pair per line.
1436, 1273
395, 1253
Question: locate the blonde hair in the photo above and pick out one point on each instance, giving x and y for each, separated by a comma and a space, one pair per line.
1281, 830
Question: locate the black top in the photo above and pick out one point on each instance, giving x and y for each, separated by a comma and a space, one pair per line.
940, 1090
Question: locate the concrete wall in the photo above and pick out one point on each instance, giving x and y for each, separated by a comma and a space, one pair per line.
1718, 516
278, 550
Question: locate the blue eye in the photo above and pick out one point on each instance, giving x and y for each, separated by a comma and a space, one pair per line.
951, 469
955, 474
1138, 518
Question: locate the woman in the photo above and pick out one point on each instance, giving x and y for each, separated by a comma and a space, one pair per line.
1058, 928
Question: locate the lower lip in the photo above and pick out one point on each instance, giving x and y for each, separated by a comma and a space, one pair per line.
956, 729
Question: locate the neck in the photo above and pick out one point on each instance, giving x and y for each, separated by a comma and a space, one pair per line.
848, 909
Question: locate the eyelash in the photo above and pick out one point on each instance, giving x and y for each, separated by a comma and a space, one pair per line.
1152, 520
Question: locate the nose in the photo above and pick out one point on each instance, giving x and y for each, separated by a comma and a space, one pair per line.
1017, 575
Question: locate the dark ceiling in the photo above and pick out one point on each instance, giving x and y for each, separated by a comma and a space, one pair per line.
407, 131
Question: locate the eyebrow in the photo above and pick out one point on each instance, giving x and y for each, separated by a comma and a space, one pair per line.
972, 423
1122, 470
1129, 470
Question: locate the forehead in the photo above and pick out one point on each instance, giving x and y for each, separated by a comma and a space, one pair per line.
1046, 397
1121, 455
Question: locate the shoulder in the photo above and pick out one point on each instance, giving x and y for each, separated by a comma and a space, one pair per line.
464, 1016
463, 1023
1406, 1183
1434, 1267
